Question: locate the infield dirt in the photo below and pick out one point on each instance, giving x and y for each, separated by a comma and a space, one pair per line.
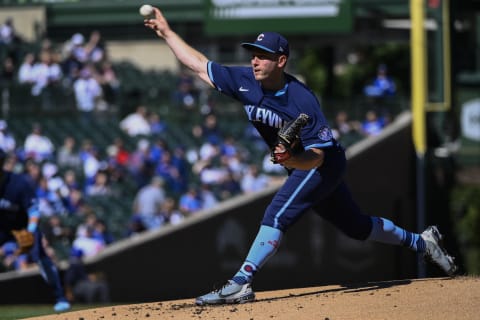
423, 299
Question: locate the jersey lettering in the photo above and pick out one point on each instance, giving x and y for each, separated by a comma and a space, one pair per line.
265, 116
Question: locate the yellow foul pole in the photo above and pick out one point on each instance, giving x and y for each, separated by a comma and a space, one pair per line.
419, 101
418, 75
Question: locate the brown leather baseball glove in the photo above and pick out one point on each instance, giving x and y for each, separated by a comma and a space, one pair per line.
288, 138
25, 240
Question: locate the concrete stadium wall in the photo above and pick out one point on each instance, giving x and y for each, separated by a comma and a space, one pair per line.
29, 22
146, 54
186, 260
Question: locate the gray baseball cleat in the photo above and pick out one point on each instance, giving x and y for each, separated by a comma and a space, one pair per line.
231, 292
436, 253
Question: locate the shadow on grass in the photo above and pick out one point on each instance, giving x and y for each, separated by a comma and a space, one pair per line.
20, 311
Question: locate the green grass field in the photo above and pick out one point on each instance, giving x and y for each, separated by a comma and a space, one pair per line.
13, 312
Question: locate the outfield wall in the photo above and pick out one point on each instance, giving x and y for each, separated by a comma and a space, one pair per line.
186, 260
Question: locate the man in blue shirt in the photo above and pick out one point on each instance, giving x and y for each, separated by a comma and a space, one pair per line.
19, 214
382, 85
271, 98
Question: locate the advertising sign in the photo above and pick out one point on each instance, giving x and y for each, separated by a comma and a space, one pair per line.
292, 16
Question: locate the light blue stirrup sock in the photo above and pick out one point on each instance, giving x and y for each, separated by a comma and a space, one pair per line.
385, 231
265, 245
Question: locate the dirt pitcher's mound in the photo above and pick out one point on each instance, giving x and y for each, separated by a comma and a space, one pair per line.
424, 299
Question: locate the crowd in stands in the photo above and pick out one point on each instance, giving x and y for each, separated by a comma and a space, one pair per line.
171, 181
79, 64
378, 92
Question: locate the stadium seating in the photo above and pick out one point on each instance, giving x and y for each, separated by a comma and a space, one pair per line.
151, 88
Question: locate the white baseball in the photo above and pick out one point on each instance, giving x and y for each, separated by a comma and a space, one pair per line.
146, 10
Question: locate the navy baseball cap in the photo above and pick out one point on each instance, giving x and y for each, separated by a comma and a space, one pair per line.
269, 41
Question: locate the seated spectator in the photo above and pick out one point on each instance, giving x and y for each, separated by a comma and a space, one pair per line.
380, 91
170, 173
372, 125
53, 189
208, 151
81, 286
49, 202
229, 187
25, 72
89, 221
345, 130
70, 179
382, 85
75, 203
232, 156
76, 47
11, 261
110, 84
184, 96
207, 196
253, 181
101, 232
85, 149
341, 125
7, 73
38, 146
139, 164
95, 48
148, 201
255, 140
10, 40
67, 155
157, 149
136, 123
100, 187
271, 168
236, 164
135, 226
7, 256
7, 140
33, 172
228, 147
71, 65
56, 232
121, 153
118, 160
92, 163
7, 32
46, 44
213, 174
190, 202
157, 126
87, 92
86, 242
209, 130
13, 163
46, 72
180, 161
170, 213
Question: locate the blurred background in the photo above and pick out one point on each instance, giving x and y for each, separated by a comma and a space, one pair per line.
139, 165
